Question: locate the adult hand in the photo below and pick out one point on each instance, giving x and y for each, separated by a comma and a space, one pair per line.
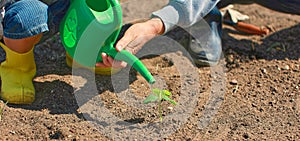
133, 40
140, 33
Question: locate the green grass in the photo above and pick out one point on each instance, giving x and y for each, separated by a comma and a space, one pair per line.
2, 109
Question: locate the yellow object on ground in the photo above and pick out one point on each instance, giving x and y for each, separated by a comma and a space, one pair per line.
96, 70
17, 72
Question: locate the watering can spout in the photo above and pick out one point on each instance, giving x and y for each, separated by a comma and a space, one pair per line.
91, 27
134, 62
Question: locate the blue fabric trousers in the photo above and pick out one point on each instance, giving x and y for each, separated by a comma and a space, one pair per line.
26, 18
206, 49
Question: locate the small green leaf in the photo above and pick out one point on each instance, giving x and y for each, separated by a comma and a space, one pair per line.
167, 93
156, 91
150, 98
169, 99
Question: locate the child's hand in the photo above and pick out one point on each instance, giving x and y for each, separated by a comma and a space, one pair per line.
108, 62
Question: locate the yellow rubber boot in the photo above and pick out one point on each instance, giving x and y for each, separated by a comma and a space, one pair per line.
17, 72
96, 70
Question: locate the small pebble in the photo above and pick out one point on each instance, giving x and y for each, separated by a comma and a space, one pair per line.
264, 71
278, 68
286, 67
170, 108
230, 58
234, 82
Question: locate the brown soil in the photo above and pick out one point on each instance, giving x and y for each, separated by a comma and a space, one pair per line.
255, 97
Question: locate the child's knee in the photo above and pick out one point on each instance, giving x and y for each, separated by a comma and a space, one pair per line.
24, 19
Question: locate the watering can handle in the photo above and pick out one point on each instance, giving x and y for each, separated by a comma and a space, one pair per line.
117, 10
114, 3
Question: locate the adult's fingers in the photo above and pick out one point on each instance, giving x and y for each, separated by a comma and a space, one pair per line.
124, 41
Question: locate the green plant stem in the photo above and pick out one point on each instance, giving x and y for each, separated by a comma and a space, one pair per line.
160, 107
157, 96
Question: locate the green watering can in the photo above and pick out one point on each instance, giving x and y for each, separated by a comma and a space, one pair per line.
91, 27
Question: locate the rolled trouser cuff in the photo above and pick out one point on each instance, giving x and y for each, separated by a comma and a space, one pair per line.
25, 19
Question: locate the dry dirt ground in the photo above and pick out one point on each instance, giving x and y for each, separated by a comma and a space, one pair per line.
254, 96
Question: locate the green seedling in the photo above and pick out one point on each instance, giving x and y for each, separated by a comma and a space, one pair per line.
158, 95
2, 109
278, 46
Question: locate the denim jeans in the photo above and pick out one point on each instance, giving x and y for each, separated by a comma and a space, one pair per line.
26, 18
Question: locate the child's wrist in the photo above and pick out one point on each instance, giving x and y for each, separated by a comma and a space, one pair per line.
158, 25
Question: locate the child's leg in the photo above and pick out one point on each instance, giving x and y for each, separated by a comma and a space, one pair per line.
22, 45
24, 22
17, 72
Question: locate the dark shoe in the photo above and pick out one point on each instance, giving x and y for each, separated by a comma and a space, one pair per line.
206, 52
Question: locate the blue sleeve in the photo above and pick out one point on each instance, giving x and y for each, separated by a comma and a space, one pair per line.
184, 13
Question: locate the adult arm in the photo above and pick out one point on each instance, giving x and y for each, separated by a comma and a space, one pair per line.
183, 13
